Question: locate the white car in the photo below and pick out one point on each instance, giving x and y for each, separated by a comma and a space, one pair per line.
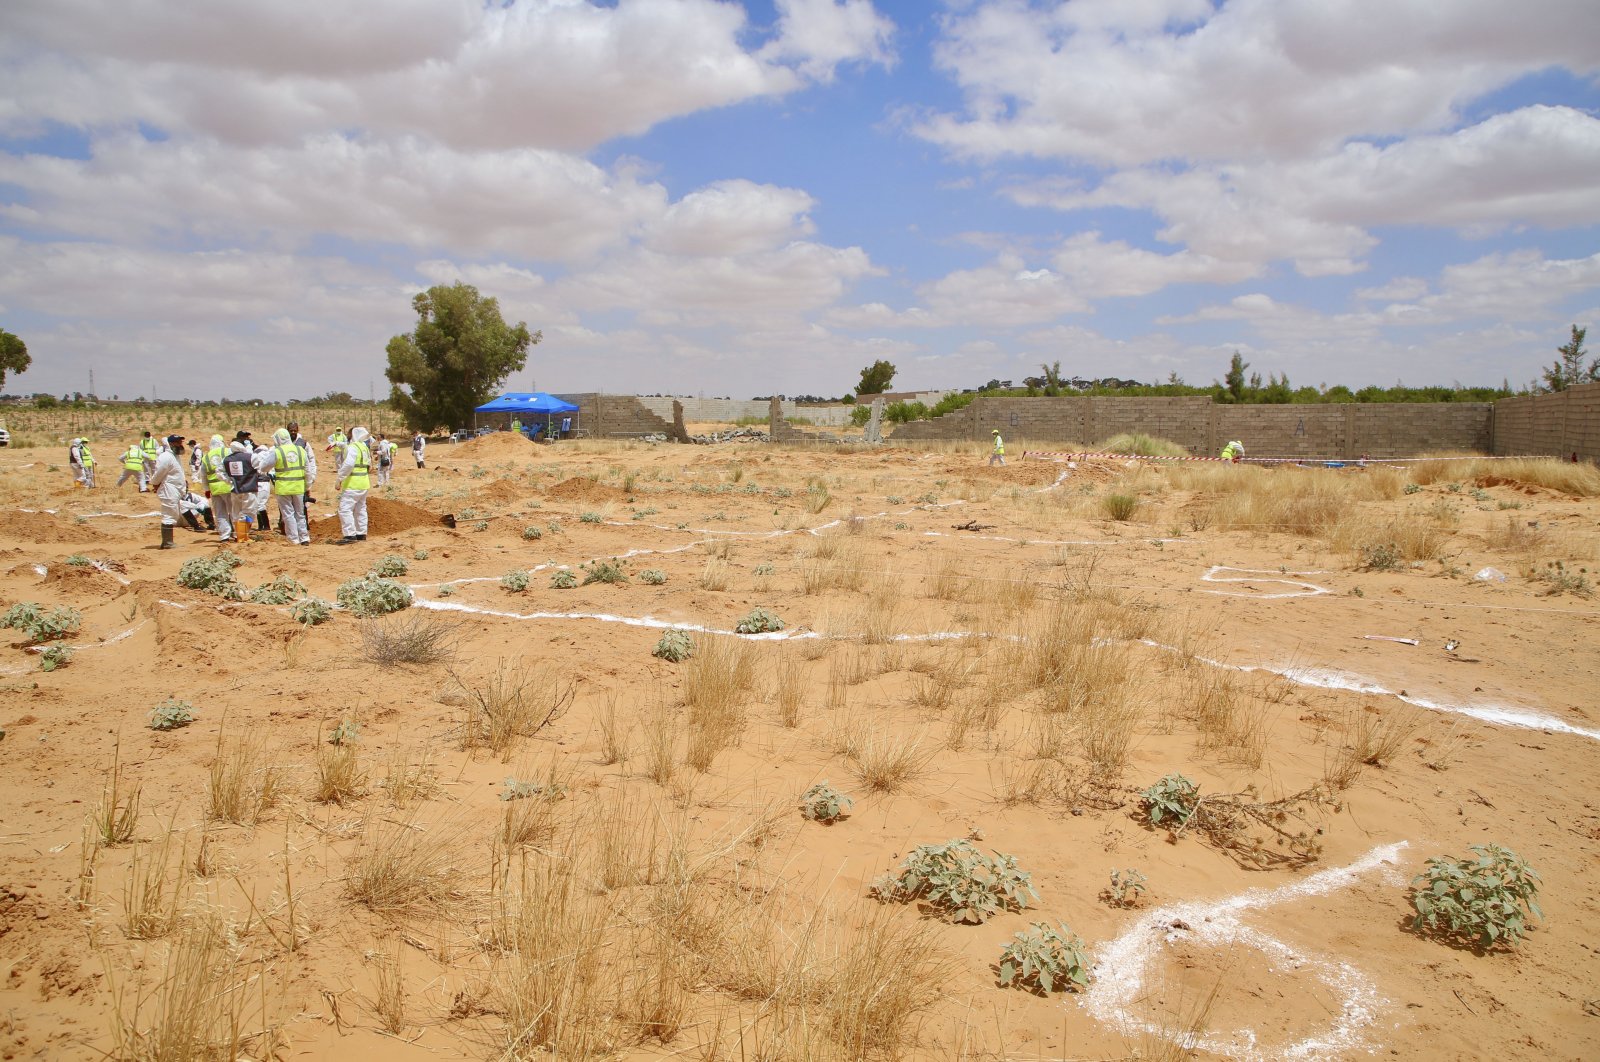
5, 437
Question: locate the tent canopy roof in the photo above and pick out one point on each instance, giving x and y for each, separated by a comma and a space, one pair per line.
527, 402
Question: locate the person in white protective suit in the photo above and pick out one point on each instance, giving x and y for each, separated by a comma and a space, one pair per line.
353, 480
168, 482
285, 463
219, 488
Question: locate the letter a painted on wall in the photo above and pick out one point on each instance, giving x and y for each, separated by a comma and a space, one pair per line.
1300, 426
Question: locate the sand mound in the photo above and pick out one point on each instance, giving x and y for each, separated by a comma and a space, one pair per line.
44, 527
74, 577
584, 490
500, 444
503, 490
1031, 473
384, 517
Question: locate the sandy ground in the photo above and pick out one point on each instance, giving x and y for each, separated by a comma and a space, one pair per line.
1499, 741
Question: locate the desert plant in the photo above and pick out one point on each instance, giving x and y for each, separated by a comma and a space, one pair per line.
1128, 887
1485, 900
348, 732
603, 572
340, 776
310, 611
1559, 579
1119, 506
562, 579
281, 591
517, 789
373, 596
117, 816
958, 882
513, 702
515, 581
825, 804
589, 518
214, 575
886, 763
1044, 961
41, 624
759, 621
56, 656
420, 554
390, 566
171, 714
1412, 488
1172, 799
404, 867
674, 647
653, 576
416, 638
242, 786
532, 533
1382, 557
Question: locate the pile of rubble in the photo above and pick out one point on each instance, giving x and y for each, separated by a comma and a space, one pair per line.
736, 435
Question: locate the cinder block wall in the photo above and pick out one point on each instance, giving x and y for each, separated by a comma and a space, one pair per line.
1564, 423
617, 415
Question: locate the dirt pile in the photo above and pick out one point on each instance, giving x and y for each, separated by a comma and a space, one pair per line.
44, 527
491, 447
384, 517
504, 490
579, 489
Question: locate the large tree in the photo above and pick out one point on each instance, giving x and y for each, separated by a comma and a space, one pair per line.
456, 357
875, 378
1569, 369
13, 356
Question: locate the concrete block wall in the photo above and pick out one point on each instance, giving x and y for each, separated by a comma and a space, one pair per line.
728, 410
1563, 423
617, 415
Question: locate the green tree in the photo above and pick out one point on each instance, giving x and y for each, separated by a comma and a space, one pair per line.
1234, 380
875, 378
1052, 378
13, 356
456, 357
1567, 370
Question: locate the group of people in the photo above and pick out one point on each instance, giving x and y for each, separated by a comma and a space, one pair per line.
242, 478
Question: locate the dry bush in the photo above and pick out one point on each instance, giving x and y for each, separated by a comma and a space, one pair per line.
715, 574
1515, 536
116, 818
660, 743
1373, 739
200, 1010
614, 744
788, 691
415, 636
243, 785
719, 549
513, 703
1106, 731
407, 782
830, 565
882, 979
1026, 781
887, 763
715, 681
340, 776
408, 868
153, 889
533, 819
878, 619
389, 992
949, 580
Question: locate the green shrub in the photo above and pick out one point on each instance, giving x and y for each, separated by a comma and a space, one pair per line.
590, 518
280, 591
1045, 961
171, 714
825, 804
1119, 506
759, 621
674, 646
41, 624
1484, 900
519, 790
310, 611
1412, 488
55, 656
390, 566
563, 579
214, 575
447, 590
516, 581
1173, 798
603, 572
762, 571
78, 560
1128, 887
958, 882
348, 732
1382, 557
653, 576
373, 596
420, 555
531, 533
481, 525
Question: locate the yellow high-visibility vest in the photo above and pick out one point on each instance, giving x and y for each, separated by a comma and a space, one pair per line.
133, 460
359, 472
211, 464
999, 445
84, 456
150, 448
289, 472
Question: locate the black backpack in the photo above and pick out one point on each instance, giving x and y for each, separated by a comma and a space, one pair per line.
237, 467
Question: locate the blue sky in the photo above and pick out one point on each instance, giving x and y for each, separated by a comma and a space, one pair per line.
702, 196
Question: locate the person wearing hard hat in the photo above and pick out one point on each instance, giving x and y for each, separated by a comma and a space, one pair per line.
353, 479
997, 456
168, 483
151, 450
219, 488
1233, 451
133, 466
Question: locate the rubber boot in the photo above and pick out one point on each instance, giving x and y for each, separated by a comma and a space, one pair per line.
194, 525
261, 521
211, 521
166, 537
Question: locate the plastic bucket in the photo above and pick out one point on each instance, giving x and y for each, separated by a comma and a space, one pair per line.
241, 530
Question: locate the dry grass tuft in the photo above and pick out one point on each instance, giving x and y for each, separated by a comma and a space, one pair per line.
614, 744
152, 891
715, 574
340, 776
887, 763
1371, 739
513, 703
408, 868
715, 681
243, 785
117, 817
407, 782
389, 992
660, 744
788, 692
415, 636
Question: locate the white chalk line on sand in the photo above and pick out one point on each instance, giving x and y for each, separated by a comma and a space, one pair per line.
1123, 965
1302, 589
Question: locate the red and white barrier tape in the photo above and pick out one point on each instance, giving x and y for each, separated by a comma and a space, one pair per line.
1062, 455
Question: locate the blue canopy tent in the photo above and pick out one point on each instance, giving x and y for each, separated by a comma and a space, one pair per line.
524, 405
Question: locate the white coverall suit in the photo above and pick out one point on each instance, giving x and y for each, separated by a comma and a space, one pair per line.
170, 487
353, 503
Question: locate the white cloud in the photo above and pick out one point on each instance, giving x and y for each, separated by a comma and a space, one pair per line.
732, 217
1399, 289
1100, 268
818, 35
1138, 83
